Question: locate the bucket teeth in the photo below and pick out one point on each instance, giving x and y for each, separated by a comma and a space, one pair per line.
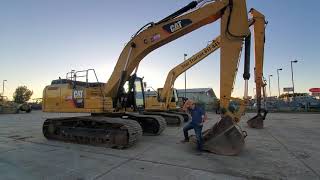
224, 138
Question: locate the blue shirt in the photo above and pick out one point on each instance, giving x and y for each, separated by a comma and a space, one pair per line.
196, 115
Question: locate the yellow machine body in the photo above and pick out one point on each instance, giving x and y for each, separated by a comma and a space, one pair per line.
154, 103
64, 98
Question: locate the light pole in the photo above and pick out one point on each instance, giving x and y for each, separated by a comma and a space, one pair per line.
185, 78
295, 61
270, 85
279, 81
3, 87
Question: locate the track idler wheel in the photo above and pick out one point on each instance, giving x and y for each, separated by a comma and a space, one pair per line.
256, 122
224, 138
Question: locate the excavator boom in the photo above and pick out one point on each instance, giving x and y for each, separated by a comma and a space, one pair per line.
171, 28
174, 73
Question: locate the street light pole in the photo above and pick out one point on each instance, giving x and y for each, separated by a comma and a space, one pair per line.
3, 87
279, 81
270, 85
295, 61
185, 78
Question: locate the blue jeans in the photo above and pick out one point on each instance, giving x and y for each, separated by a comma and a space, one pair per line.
198, 132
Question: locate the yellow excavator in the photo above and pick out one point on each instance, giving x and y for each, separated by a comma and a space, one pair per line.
153, 105
114, 120
173, 115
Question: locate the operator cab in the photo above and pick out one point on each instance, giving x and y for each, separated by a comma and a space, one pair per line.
133, 94
174, 96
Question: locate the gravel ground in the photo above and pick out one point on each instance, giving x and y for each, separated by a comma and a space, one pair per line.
287, 148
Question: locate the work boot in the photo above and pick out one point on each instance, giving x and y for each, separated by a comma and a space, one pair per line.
184, 141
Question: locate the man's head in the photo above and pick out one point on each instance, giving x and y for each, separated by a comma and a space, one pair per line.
189, 104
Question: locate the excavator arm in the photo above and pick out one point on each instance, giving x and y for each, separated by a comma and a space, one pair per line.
166, 92
224, 137
259, 40
234, 27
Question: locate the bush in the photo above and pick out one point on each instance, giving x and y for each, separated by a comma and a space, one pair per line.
22, 94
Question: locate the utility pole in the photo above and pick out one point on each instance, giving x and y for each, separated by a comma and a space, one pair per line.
279, 81
270, 85
185, 78
295, 61
3, 87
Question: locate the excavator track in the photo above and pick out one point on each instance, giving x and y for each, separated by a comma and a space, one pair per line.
172, 119
93, 130
150, 124
186, 116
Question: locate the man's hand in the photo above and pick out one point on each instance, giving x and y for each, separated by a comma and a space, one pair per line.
204, 118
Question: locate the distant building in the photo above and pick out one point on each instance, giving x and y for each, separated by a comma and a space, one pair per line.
205, 96
289, 97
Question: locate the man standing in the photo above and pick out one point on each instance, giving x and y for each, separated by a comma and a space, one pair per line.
199, 116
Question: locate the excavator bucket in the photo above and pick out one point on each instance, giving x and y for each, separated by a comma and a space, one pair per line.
224, 138
256, 122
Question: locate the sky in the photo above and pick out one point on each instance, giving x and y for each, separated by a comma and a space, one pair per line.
41, 40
